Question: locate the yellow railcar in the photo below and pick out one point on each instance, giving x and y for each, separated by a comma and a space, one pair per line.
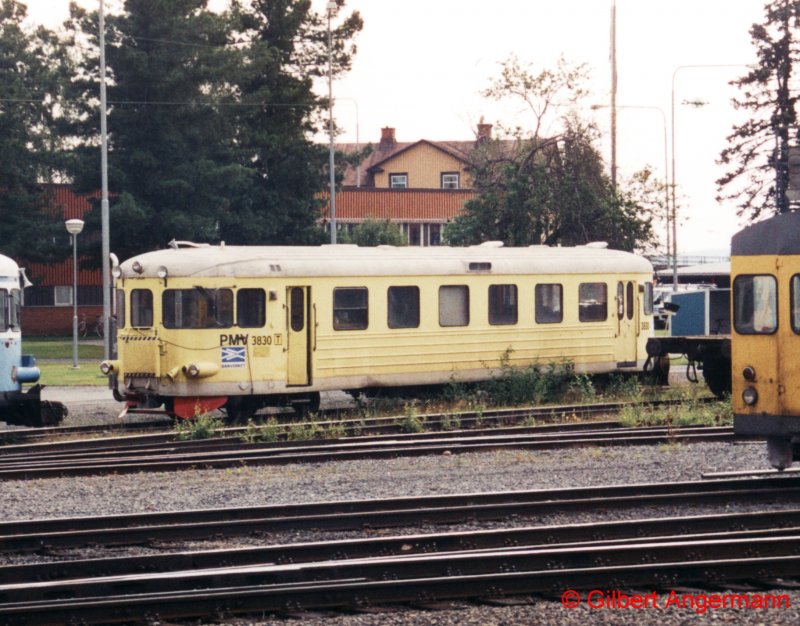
765, 275
203, 327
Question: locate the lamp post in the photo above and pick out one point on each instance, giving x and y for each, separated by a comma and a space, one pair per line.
330, 8
104, 209
74, 227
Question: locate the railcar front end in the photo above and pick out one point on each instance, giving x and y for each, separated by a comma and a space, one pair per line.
765, 274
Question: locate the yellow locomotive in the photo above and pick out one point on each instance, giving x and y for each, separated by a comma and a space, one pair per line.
201, 327
765, 275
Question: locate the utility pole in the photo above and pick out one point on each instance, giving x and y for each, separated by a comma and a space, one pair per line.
614, 95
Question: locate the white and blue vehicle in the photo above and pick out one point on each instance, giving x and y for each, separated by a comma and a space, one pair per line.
18, 406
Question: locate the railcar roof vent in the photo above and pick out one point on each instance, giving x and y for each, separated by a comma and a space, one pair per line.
174, 244
489, 244
480, 266
598, 245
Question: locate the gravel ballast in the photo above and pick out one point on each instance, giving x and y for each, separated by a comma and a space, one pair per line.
442, 474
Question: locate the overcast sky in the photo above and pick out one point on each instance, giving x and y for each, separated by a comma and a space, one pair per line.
422, 64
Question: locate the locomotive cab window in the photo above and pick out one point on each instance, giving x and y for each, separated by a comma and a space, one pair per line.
592, 302
648, 298
548, 303
795, 284
755, 304
4, 312
350, 308
196, 308
403, 307
453, 305
141, 308
502, 304
251, 308
14, 303
119, 294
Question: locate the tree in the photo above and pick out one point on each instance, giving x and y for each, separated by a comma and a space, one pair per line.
288, 50
210, 119
757, 154
545, 190
31, 66
373, 232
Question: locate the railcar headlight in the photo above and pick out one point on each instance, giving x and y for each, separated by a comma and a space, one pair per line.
116, 271
137, 267
109, 367
750, 396
749, 373
200, 370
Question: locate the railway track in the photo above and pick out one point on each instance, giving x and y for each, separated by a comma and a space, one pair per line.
138, 529
357, 425
139, 454
642, 554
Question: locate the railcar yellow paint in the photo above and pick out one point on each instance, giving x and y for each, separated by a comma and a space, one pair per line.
774, 357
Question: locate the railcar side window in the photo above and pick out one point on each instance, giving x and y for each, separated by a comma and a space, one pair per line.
548, 303
350, 308
755, 304
251, 308
403, 307
648, 298
197, 308
13, 309
4, 302
502, 304
592, 302
119, 294
141, 308
453, 305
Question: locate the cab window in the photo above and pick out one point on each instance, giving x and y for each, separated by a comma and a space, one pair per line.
796, 303
197, 308
755, 304
119, 294
350, 308
14, 309
251, 308
592, 302
141, 308
4, 302
648, 298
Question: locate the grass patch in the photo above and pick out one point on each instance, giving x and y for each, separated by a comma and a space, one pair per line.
54, 359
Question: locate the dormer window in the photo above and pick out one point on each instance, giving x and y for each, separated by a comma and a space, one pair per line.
450, 180
398, 181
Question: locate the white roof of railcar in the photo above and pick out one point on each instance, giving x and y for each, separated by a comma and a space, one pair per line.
8, 267
351, 260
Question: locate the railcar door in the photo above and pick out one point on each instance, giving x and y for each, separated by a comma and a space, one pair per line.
298, 330
627, 312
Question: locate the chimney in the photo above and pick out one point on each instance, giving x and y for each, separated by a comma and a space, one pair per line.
387, 139
484, 132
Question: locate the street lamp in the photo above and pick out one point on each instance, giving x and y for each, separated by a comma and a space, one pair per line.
104, 208
74, 227
330, 8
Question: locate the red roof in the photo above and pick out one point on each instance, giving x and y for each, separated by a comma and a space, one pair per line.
399, 205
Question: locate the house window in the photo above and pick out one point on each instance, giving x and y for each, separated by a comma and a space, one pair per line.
63, 295
398, 181
450, 180
435, 238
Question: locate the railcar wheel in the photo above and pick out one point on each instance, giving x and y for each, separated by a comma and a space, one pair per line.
717, 374
241, 409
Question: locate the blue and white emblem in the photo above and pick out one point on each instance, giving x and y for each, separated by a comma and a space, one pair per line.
233, 356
